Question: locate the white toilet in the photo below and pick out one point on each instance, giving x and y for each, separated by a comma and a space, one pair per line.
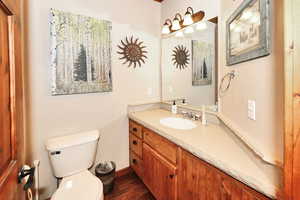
71, 157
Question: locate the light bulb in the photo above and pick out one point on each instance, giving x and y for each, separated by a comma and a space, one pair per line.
188, 20
189, 30
175, 25
179, 34
201, 26
166, 29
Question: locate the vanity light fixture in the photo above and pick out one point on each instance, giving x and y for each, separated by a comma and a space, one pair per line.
188, 17
166, 27
180, 23
176, 22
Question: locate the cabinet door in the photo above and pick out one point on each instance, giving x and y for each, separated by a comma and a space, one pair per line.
230, 189
192, 178
249, 194
200, 181
159, 175
136, 164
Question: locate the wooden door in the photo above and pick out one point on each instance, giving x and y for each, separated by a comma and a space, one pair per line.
159, 175
292, 100
11, 100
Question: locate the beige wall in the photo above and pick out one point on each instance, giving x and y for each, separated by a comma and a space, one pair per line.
260, 80
50, 116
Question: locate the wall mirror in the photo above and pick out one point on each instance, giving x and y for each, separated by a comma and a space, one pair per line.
189, 66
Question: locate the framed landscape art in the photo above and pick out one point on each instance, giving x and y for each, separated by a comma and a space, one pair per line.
80, 54
248, 32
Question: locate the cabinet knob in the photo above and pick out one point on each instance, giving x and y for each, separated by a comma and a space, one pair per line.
134, 142
134, 129
134, 161
171, 176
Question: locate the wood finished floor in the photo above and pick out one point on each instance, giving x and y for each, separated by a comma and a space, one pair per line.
129, 187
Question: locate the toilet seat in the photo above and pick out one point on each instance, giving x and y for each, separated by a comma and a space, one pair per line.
80, 186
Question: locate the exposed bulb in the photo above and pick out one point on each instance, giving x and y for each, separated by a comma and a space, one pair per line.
188, 20
175, 25
166, 29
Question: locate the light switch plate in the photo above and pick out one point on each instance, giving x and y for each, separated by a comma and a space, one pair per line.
251, 110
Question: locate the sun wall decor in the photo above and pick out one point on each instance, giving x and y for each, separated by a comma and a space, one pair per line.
133, 52
181, 57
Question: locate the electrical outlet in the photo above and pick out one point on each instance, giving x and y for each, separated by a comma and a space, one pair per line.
251, 110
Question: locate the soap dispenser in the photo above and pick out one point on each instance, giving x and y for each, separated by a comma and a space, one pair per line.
174, 108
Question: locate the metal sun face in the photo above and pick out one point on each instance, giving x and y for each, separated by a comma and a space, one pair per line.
180, 57
133, 52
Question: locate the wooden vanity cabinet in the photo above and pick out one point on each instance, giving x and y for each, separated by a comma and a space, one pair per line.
163, 146
136, 147
197, 180
171, 173
159, 174
136, 164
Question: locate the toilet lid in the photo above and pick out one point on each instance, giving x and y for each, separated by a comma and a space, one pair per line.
81, 186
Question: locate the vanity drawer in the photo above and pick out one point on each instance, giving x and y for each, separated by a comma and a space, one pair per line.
136, 164
135, 129
161, 145
135, 144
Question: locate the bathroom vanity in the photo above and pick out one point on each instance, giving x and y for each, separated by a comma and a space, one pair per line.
201, 163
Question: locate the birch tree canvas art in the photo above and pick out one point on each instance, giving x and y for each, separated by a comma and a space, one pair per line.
80, 54
203, 60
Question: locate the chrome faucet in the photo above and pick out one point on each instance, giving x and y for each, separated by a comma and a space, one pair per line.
191, 115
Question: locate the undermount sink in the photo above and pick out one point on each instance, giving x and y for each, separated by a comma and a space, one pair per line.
178, 123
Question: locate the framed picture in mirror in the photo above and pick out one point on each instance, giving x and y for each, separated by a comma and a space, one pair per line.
203, 60
248, 32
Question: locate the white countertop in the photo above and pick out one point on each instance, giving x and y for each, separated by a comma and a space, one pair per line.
215, 144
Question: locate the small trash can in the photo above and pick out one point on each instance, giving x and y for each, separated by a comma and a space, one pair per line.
106, 173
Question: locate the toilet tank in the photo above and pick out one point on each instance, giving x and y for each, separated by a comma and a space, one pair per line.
73, 153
